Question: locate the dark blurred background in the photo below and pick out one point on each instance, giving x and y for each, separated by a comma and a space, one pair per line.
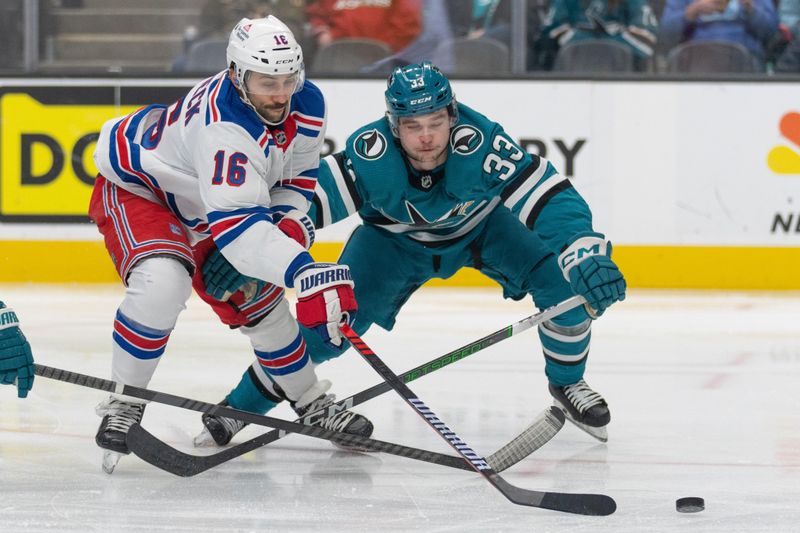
474, 38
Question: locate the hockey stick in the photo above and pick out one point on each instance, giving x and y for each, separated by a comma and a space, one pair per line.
158, 453
540, 432
585, 504
214, 409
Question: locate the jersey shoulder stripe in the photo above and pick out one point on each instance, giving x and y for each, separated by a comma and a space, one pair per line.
224, 105
308, 110
124, 154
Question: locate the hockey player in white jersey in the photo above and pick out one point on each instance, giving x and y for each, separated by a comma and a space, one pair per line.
231, 166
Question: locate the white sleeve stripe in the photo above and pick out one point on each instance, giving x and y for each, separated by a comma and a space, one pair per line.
565, 338
566, 358
548, 184
344, 192
636, 43
529, 184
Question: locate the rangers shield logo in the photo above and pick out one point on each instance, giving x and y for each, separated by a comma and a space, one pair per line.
465, 140
370, 145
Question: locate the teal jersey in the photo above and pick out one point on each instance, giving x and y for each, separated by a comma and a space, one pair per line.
484, 169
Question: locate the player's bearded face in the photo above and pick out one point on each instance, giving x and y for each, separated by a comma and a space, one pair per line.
270, 95
424, 139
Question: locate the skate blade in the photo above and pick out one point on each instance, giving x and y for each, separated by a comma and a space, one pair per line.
600, 433
110, 460
205, 440
353, 448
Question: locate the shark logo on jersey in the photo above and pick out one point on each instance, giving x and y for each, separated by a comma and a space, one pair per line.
465, 140
450, 219
370, 145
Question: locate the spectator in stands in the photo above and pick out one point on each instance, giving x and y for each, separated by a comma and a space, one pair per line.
394, 22
435, 31
786, 37
789, 16
629, 22
789, 61
751, 23
541, 50
481, 18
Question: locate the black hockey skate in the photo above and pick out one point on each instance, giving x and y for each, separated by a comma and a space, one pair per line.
344, 420
218, 430
583, 407
118, 417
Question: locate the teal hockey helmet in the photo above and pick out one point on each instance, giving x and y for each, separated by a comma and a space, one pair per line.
418, 89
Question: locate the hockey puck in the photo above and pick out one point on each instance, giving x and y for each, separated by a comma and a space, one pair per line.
690, 505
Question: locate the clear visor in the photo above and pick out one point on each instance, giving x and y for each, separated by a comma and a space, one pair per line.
271, 85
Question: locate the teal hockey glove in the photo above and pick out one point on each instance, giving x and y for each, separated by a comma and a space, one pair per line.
587, 265
222, 279
16, 359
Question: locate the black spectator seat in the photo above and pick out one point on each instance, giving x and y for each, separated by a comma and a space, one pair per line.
594, 55
476, 56
207, 56
348, 56
712, 57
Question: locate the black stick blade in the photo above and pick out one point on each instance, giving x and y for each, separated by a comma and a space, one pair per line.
152, 450
583, 504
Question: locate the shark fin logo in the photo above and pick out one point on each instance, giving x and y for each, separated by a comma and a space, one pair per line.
786, 159
465, 140
370, 145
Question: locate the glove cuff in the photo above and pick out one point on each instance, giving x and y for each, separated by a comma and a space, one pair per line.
585, 245
299, 227
8, 318
317, 277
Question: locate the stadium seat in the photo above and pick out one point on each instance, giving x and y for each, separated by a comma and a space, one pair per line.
712, 57
348, 56
475, 56
594, 55
207, 56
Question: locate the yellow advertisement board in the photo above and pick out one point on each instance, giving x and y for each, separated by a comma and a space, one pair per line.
46, 167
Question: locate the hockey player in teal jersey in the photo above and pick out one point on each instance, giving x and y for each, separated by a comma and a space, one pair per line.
440, 187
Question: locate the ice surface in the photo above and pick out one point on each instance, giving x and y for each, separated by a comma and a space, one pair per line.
703, 389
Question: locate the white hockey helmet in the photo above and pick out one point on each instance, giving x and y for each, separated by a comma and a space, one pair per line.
266, 46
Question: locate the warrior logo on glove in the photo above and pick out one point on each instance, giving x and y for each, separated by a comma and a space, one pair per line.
318, 279
325, 299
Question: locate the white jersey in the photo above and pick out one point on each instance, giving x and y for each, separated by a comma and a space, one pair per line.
211, 161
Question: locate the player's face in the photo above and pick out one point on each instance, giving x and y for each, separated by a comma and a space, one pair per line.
424, 139
270, 95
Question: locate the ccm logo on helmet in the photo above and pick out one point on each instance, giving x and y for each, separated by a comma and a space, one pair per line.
421, 100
